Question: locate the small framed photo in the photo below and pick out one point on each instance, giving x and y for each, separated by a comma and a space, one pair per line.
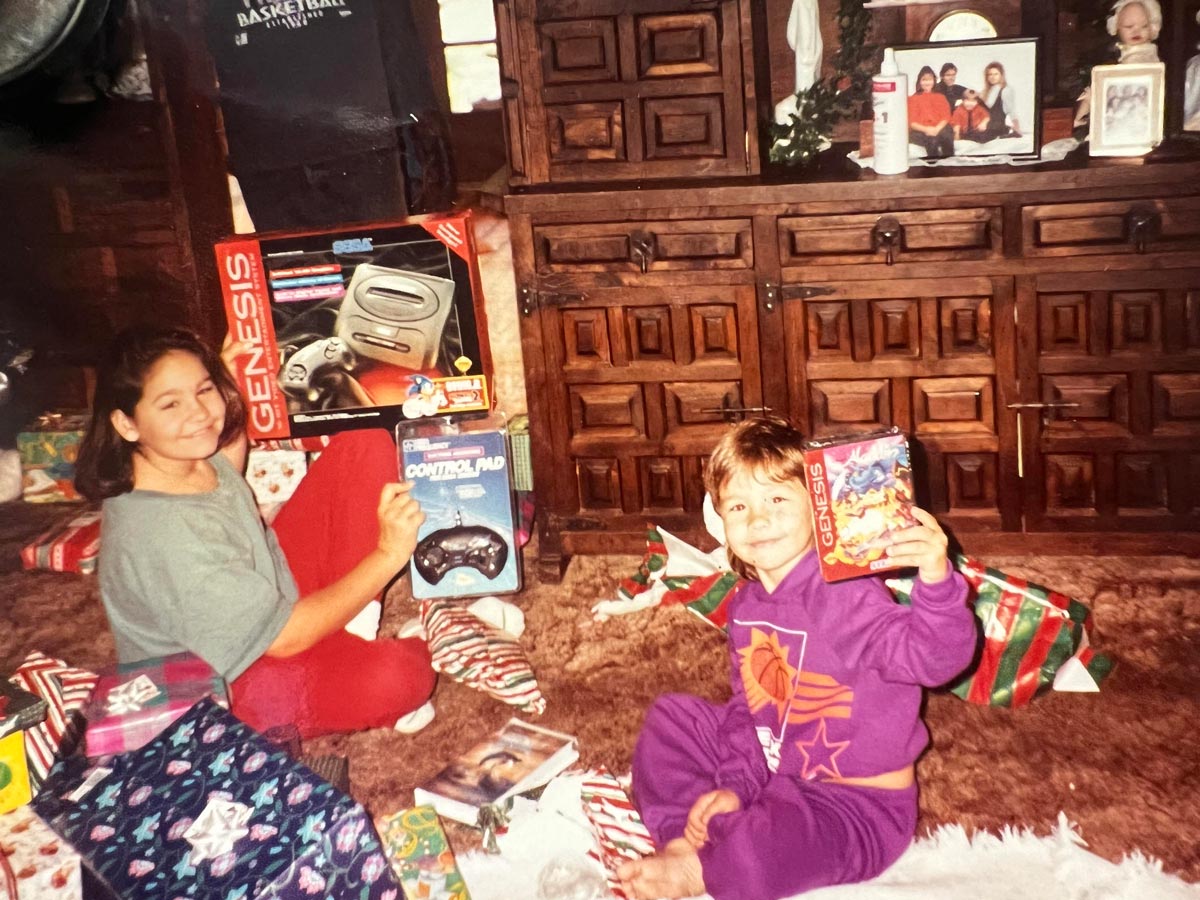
1126, 112
972, 98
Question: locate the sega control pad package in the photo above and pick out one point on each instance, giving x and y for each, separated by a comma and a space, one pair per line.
459, 469
361, 327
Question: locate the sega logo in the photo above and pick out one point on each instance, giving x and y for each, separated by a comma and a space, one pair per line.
353, 245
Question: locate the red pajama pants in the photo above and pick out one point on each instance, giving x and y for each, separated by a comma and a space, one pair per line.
342, 683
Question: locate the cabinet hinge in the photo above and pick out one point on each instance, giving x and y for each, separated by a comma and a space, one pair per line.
532, 300
804, 291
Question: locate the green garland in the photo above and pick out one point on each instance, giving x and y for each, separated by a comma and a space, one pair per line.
830, 99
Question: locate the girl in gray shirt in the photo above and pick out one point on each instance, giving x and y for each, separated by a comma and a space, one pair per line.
186, 563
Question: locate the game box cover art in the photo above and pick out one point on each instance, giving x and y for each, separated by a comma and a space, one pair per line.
861, 490
460, 475
361, 327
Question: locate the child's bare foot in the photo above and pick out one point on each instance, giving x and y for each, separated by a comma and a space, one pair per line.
675, 872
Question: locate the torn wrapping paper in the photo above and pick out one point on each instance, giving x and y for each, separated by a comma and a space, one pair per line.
619, 831
44, 866
469, 650
675, 572
1031, 636
421, 855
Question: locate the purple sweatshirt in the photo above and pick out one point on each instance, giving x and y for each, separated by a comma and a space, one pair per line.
829, 676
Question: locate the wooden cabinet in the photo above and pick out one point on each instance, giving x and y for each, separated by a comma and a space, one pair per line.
600, 90
1036, 332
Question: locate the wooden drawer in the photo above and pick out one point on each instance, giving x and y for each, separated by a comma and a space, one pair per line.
920, 236
1114, 226
642, 247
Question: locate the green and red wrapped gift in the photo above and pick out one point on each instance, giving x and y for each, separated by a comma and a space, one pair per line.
68, 547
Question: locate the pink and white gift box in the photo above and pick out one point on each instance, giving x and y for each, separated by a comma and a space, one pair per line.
134, 702
44, 866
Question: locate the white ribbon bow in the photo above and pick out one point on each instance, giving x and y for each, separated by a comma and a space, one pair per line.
217, 829
130, 696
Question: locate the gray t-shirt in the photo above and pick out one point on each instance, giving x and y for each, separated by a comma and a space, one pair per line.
196, 572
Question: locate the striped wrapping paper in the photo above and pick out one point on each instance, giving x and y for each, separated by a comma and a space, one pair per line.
70, 547
619, 831
1029, 632
470, 651
66, 690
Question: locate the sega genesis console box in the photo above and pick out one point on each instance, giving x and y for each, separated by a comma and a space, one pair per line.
861, 491
359, 328
460, 474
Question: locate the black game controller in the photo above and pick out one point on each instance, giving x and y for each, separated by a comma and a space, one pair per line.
299, 374
475, 546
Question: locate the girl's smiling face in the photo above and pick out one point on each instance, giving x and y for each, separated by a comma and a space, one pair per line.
926, 83
768, 524
181, 412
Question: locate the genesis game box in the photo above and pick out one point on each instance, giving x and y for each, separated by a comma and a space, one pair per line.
861, 491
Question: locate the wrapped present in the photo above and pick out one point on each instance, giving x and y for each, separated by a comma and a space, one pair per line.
48, 448
618, 829
65, 690
134, 702
210, 810
67, 547
274, 475
421, 855
15, 789
43, 865
1031, 636
472, 652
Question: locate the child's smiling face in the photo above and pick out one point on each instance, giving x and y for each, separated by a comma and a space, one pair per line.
768, 524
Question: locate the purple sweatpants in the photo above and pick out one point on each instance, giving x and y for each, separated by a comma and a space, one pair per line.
793, 836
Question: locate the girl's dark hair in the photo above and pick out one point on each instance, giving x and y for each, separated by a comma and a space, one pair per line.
767, 445
925, 70
105, 465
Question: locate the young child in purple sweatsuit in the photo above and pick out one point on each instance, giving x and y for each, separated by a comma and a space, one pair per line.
805, 777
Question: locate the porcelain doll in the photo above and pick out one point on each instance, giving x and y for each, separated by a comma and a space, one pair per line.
1136, 24
1191, 91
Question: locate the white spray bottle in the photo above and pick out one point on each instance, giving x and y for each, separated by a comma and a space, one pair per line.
889, 102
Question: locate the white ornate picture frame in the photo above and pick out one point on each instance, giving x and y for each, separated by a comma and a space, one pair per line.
1127, 103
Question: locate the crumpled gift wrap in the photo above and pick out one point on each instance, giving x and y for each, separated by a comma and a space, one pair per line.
469, 650
674, 572
618, 828
210, 810
65, 690
1034, 638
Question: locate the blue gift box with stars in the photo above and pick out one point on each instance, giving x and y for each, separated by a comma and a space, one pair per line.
211, 810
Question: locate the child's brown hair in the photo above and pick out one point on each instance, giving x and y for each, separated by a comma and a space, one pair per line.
767, 445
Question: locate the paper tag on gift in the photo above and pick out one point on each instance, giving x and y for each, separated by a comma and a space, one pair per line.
132, 695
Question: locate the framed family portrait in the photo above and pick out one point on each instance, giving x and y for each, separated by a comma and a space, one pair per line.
972, 98
1126, 112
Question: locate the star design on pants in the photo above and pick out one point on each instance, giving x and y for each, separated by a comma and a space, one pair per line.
820, 755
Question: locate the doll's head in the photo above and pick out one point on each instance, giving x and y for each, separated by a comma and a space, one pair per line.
1135, 21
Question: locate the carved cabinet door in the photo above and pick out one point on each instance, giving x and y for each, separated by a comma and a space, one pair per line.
602, 90
640, 341
1110, 400
932, 356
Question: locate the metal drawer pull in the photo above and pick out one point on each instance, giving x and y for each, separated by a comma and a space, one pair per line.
734, 414
887, 233
1143, 225
1059, 404
642, 246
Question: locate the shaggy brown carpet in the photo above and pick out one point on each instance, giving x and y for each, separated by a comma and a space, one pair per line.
1123, 763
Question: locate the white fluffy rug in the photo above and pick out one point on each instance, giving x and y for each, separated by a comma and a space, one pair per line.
946, 865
